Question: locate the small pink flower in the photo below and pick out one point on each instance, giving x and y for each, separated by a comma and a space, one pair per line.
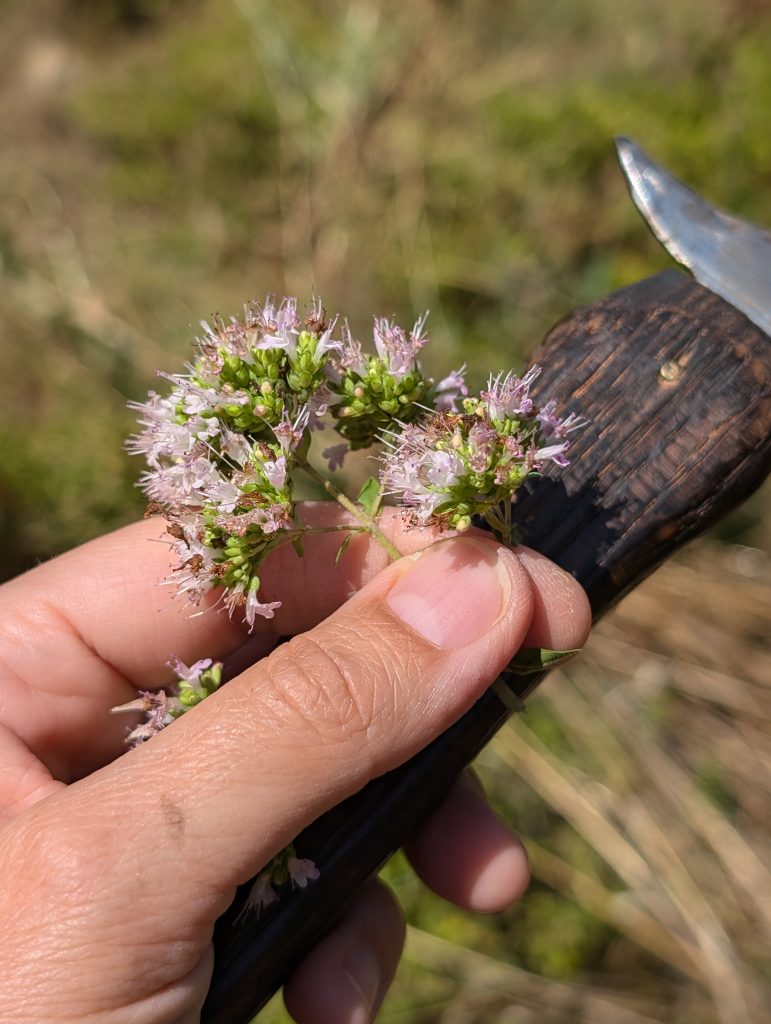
450, 390
301, 871
507, 395
236, 447
553, 426
275, 472
397, 350
289, 434
556, 453
155, 704
192, 674
280, 327
240, 597
262, 894
351, 357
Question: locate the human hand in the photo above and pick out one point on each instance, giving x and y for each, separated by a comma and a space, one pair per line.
113, 869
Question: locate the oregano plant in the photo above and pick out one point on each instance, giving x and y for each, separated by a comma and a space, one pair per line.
228, 442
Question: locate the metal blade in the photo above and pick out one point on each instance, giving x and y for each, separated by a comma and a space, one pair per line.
726, 255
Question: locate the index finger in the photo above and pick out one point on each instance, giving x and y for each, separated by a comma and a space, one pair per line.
107, 594
81, 633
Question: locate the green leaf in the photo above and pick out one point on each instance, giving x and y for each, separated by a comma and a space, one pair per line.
370, 495
342, 549
537, 659
297, 544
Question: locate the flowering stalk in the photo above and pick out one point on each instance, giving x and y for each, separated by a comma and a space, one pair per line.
453, 466
357, 509
286, 868
224, 448
160, 708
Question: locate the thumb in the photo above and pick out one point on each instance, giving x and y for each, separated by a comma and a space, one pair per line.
349, 700
204, 805
381, 677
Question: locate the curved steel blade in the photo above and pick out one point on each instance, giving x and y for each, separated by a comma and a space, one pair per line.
726, 255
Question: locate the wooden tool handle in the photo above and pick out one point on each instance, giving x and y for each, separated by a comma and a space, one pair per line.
677, 388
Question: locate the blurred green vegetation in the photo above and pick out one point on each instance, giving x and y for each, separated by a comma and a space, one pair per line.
162, 161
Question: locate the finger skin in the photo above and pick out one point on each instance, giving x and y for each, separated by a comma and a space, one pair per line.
81, 633
24, 780
108, 592
344, 979
466, 854
562, 614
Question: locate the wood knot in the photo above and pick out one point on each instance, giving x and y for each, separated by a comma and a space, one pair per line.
670, 371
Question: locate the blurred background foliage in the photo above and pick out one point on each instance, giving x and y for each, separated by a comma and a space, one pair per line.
164, 160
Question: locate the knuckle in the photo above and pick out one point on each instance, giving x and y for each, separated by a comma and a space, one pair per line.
316, 680
50, 887
62, 860
333, 684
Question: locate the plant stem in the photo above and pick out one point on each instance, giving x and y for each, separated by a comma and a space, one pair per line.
350, 506
291, 534
507, 512
288, 536
509, 700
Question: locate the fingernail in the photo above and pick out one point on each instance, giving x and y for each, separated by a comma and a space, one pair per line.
453, 593
362, 969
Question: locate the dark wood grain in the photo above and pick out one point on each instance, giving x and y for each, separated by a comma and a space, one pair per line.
677, 386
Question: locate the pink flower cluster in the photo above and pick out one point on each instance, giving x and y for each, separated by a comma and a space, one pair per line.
452, 466
223, 447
